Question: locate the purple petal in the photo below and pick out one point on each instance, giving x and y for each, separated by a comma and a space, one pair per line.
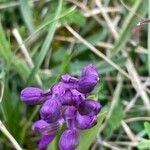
89, 107
72, 98
68, 78
50, 111
69, 140
60, 88
69, 115
70, 112
89, 70
86, 122
39, 125
87, 83
32, 96
45, 141
67, 98
46, 128
77, 96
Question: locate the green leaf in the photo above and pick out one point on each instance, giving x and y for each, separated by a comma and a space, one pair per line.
89, 135
27, 14
5, 50
114, 120
73, 17
104, 67
131, 20
93, 39
115, 115
147, 127
93, 97
101, 66
47, 43
21, 67
144, 144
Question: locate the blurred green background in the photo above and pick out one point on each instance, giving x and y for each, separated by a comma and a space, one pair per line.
42, 39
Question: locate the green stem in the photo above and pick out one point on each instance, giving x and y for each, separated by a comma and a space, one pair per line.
58, 137
28, 123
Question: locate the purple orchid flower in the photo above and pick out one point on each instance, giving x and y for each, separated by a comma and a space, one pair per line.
66, 102
88, 80
34, 96
69, 140
47, 130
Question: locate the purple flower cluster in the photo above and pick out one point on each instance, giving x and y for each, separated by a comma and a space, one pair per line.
66, 102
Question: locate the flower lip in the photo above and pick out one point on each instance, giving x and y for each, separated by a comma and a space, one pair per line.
32, 96
50, 111
89, 107
70, 112
69, 115
45, 141
77, 96
86, 122
69, 140
66, 98
39, 125
46, 128
86, 84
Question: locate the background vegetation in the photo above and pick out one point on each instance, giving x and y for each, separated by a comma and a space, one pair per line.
42, 39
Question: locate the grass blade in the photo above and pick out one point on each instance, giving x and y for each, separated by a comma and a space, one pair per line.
27, 14
130, 22
12, 61
9, 136
47, 43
